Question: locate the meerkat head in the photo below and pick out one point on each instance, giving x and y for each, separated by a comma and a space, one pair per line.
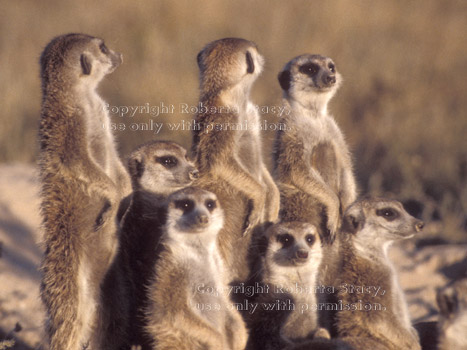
77, 58
452, 303
292, 245
378, 221
161, 167
310, 80
228, 63
193, 211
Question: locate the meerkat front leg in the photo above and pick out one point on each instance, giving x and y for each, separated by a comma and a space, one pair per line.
315, 187
244, 183
272, 197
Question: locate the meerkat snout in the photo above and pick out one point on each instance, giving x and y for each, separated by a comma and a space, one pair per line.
419, 226
194, 174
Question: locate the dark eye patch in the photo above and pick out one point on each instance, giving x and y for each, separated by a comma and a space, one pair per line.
309, 69
310, 239
211, 204
388, 213
186, 205
103, 49
249, 62
167, 161
332, 67
285, 239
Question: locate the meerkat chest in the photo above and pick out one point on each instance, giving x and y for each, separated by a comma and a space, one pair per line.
321, 151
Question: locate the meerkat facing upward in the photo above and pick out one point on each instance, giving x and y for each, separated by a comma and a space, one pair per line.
228, 157
452, 322
83, 181
179, 313
157, 169
377, 320
313, 166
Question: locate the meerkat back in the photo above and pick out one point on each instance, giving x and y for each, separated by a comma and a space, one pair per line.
195, 314
228, 68
82, 184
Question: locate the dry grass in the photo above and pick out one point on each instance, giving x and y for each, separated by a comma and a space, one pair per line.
402, 104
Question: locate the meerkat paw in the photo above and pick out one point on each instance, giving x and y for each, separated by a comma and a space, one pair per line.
322, 333
333, 219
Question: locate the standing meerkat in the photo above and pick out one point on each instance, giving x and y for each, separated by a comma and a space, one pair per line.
157, 169
228, 154
452, 322
287, 271
374, 313
313, 166
188, 307
83, 182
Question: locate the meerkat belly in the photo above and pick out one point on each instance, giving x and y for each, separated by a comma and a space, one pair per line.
207, 300
249, 154
324, 160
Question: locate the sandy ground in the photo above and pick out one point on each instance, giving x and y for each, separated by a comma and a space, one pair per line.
421, 271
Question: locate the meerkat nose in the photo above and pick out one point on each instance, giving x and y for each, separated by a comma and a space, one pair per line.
301, 254
329, 79
419, 226
202, 219
194, 174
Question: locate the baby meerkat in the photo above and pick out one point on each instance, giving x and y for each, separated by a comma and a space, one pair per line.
182, 314
377, 317
157, 169
82, 182
285, 313
313, 166
227, 147
452, 323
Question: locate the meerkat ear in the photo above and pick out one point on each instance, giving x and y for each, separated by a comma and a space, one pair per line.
198, 59
353, 222
136, 166
86, 65
447, 302
249, 63
284, 80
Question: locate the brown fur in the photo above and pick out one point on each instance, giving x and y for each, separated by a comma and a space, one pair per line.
452, 323
157, 169
83, 181
177, 313
230, 161
369, 226
312, 162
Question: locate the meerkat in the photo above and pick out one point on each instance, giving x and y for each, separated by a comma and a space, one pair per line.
287, 271
312, 162
374, 312
228, 154
452, 322
157, 169
189, 308
82, 182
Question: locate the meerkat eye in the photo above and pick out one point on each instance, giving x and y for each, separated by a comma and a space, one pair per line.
211, 204
387, 213
310, 239
185, 205
285, 239
167, 161
309, 69
104, 49
332, 67
249, 62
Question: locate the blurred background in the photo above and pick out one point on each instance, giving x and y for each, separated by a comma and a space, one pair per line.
402, 106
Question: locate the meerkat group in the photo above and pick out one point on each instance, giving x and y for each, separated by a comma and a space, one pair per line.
156, 256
